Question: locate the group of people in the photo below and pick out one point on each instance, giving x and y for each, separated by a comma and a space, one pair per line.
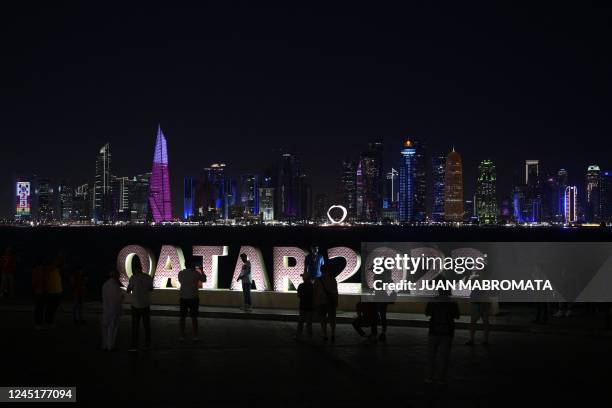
318, 297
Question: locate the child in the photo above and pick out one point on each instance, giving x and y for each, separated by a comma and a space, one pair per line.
305, 292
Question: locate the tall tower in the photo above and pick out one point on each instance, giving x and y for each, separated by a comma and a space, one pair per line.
102, 200
159, 187
605, 196
571, 204
420, 182
438, 164
486, 200
453, 188
533, 193
406, 182
592, 193
348, 187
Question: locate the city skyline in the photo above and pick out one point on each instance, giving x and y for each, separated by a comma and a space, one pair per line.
365, 188
232, 83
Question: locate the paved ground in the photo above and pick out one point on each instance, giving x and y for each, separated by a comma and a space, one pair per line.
243, 363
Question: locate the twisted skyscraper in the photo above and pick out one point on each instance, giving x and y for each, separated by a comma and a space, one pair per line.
159, 188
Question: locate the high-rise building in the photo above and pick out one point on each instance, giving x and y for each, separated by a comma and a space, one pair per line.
562, 179
82, 204
367, 191
571, 204
160, 202
66, 198
391, 191
266, 203
321, 207
102, 197
533, 194
605, 196
420, 182
45, 201
189, 184
349, 188
592, 193
453, 188
23, 204
438, 164
406, 182
139, 197
486, 198
287, 188
249, 196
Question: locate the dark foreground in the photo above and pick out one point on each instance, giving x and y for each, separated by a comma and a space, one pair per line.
248, 363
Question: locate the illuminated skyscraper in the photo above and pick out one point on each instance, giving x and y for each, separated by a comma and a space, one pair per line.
266, 203
102, 198
45, 211
288, 187
391, 191
348, 188
23, 205
159, 189
249, 195
406, 182
368, 183
605, 196
533, 194
453, 188
486, 199
420, 183
66, 196
561, 184
592, 193
438, 168
189, 185
571, 204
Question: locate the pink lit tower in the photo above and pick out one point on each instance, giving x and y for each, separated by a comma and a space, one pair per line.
159, 187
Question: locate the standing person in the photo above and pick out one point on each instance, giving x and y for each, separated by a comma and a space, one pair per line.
480, 307
8, 266
112, 299
305, 294
39, 288
245, 277
313, 263
442, 314
78, 282
326, 302
54, 290
190, 278
141, 286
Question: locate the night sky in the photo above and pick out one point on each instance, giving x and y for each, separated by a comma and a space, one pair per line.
232, 82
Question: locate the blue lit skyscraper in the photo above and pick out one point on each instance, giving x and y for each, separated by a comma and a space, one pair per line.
188, 197
406, 182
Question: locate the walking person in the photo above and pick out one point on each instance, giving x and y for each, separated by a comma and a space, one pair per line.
39, 288
8, 267
78, 282
305, 292
190, 278
326, 302
140, 286
112, 300
313, 263
245, 278
442, 312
